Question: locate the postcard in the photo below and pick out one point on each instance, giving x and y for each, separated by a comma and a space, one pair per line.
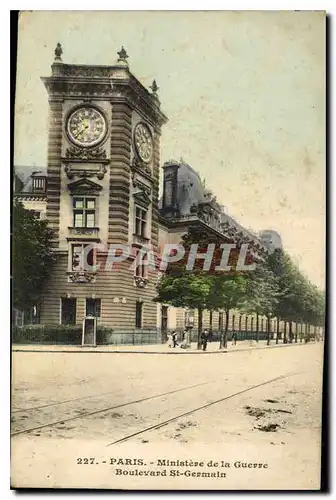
169, 250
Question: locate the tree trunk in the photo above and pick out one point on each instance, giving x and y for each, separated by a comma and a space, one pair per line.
220, 323
290, 332
221, 330
301, 332
223, 337
210, 320
277, 330
268, 323
200, 328
296, 332
257, 328
285, 333
227, 314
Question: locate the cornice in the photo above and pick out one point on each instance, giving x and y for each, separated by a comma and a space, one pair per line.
116, 89
32, 196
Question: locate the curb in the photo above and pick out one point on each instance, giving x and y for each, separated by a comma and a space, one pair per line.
97, 351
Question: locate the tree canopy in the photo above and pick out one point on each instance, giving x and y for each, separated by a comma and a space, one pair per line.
32, 256
276, 288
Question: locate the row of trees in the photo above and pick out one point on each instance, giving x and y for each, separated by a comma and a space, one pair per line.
275, 289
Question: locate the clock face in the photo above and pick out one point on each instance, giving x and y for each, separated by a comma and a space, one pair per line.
143, 142
86, 126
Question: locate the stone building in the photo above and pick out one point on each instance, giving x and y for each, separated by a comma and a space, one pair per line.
101, 186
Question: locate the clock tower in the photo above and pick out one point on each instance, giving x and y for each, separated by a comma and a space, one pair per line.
103, 183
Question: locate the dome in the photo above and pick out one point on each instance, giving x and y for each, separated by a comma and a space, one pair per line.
271, 239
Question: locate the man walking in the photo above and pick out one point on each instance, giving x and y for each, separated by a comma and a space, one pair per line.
204, 339
174, 338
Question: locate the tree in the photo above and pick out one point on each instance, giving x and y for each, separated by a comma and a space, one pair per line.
32, 256
227, 292
186, 289
263, 294
299, 300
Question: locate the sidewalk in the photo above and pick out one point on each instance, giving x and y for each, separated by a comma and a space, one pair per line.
213, 348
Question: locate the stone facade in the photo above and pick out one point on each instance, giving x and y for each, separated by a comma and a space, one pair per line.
101, 185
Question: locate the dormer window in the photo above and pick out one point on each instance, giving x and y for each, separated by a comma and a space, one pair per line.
39, 184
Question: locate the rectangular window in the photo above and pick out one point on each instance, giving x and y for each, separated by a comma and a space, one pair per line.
68, 311
90, 219
38, 184
140, 221
189, 317
82, 259
141, 269
138, 314
79, 219
168, 194
93, 307
84, 210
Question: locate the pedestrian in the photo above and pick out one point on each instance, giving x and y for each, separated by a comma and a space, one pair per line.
234, 338
210, 335
186, 338
170, 340
204, 339
174, 337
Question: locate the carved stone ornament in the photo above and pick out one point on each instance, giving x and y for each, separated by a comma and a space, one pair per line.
84, 186
58, 52
76, 171
81, 277
137, 163
140, 282
142, 198
123, 56
84, 231
154, 88
74, 152
79, 70
140, 185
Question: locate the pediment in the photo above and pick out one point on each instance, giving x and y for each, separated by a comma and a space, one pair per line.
84, 186
142, 198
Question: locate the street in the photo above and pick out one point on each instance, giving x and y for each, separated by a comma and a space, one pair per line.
263, 404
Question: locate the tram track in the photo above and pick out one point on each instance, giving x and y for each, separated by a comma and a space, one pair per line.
138, 401
199, 408
102, 410
58, 403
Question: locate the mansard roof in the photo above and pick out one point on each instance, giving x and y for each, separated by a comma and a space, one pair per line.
25, 173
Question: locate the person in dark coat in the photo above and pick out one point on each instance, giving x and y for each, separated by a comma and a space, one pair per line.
174, 338
234, 338
210, 336
204, 339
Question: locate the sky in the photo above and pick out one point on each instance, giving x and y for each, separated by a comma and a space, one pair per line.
244, 93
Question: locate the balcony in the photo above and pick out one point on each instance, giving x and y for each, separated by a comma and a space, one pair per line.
86, 233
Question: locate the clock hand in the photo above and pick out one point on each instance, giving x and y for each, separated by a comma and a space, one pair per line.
81, 130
